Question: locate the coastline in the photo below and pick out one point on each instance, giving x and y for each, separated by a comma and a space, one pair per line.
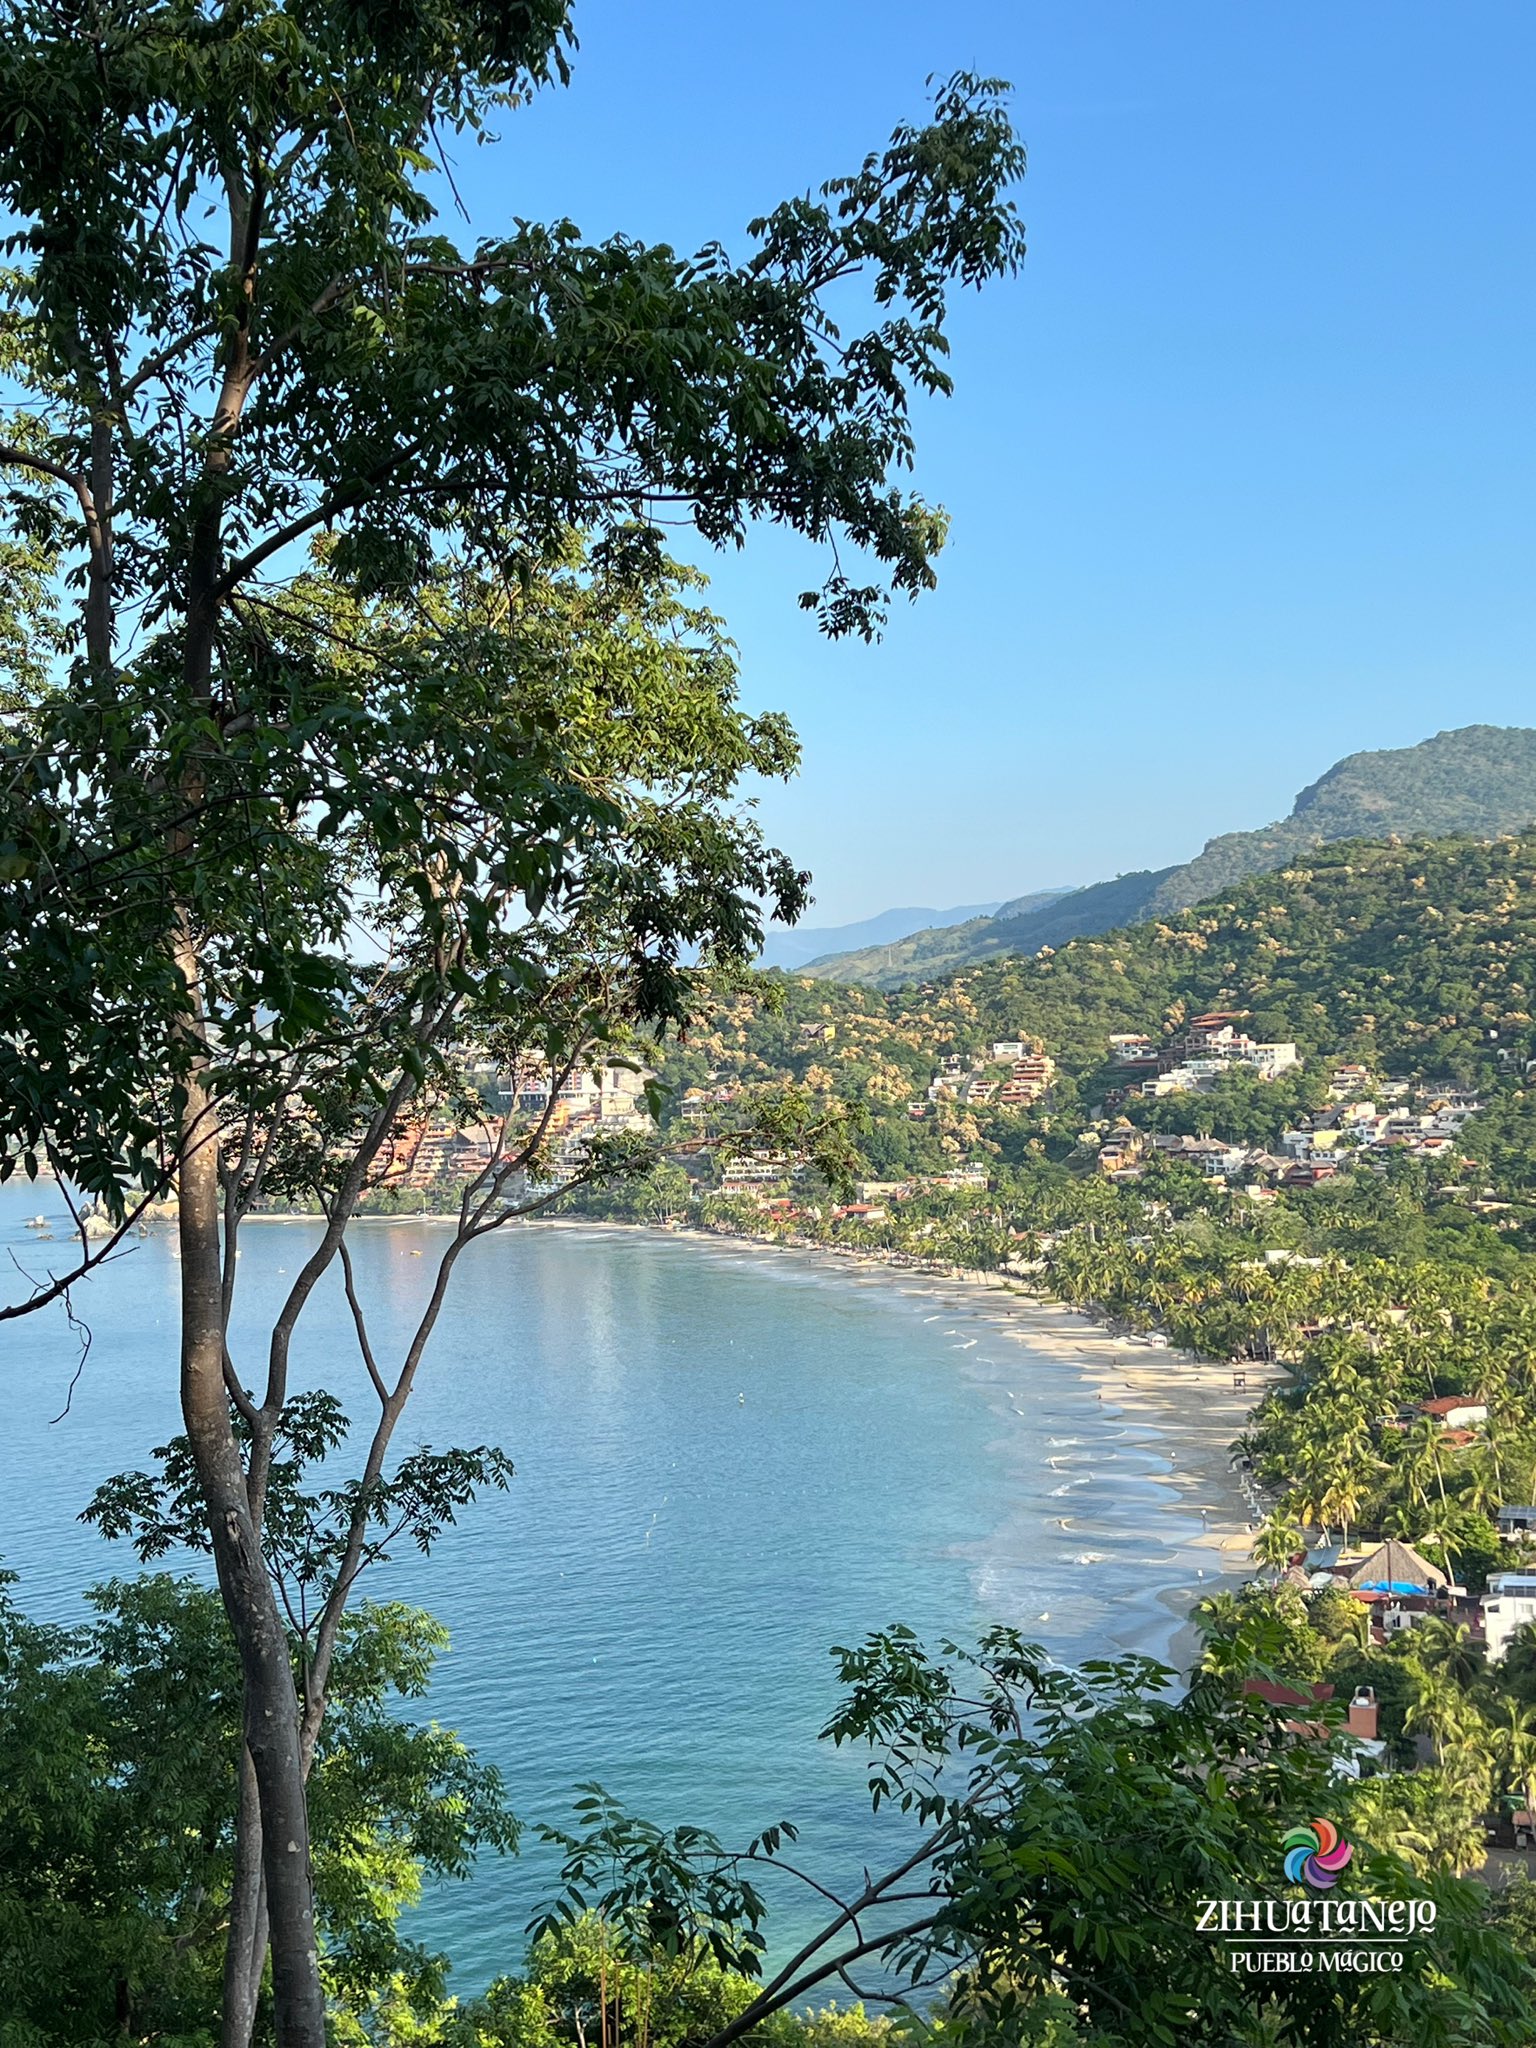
1184, 1409
1186, 1406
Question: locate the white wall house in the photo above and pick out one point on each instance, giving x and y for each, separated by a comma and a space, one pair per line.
1510, 1604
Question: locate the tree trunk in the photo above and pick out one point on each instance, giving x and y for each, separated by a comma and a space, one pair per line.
271, 1703
245, 1954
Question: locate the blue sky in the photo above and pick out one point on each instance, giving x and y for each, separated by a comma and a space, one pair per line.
1240, 467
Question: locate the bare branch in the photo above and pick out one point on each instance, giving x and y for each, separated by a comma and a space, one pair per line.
55, 1286
360, 1323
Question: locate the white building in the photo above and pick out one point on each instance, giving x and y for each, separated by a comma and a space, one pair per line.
754, 1169
1510, 1604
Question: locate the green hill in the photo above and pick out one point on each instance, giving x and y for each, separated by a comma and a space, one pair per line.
1477, 779
1417, 958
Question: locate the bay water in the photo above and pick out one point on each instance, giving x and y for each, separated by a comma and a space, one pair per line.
727, 1462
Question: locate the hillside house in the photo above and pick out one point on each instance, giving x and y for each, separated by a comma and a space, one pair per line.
1347, 1081
1309, 1176
1213, 1156
1132, 1049
1455, 1411
1215, 1036
1123, 1150
1510, 1604
972, 1176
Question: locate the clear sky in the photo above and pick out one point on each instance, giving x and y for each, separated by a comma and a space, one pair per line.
1240, 467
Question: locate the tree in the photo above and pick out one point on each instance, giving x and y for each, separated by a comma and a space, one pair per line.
1277, 1542
236, 327
1051, 1876
1440, 1710
1450, 1649
118, 1814
1514, 1744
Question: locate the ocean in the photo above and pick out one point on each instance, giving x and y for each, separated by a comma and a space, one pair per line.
728, 1461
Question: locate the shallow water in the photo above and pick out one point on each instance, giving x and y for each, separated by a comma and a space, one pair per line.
726, 1463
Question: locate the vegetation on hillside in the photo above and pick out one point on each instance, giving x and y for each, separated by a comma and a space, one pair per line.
1478, 779
1416, 957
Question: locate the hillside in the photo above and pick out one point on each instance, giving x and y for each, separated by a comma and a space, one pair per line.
1477, 779
1416, 959
1028, 925
793, 946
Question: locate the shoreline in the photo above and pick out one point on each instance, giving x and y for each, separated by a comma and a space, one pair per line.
1186, 1404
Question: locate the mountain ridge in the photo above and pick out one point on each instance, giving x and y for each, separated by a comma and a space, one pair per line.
793, 946
1475, 778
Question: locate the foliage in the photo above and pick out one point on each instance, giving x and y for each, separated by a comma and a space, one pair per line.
117, 1815
578, 1987
360, 717
1067, 1824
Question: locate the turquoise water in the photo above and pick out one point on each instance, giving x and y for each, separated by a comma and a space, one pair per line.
726, 1462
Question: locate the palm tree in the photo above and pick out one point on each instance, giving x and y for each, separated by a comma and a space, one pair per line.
1423, 1444
1483, 1489
1277, 1542
1452, 1651
1347, 1487
1514, 1748
1440, 1710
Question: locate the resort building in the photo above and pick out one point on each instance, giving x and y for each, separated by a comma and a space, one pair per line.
610, 1094
754, 1168
428, 1151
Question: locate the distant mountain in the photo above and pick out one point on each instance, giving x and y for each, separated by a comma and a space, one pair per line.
882, 935
1479, 779
796, 946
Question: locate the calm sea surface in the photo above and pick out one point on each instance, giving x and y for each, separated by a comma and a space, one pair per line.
726, 1462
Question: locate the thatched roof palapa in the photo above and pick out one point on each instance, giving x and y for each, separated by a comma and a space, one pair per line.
1396, 1567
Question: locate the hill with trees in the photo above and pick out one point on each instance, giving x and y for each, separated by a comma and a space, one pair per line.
791, 946
1478, 779
1420, 953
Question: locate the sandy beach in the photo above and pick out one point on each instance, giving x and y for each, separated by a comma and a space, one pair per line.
1187, 1407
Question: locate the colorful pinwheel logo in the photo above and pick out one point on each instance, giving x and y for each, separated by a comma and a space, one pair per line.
1315, 1853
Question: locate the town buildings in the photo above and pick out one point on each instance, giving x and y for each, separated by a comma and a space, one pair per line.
1196, 1057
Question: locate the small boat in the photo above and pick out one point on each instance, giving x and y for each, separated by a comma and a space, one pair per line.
37, 1223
